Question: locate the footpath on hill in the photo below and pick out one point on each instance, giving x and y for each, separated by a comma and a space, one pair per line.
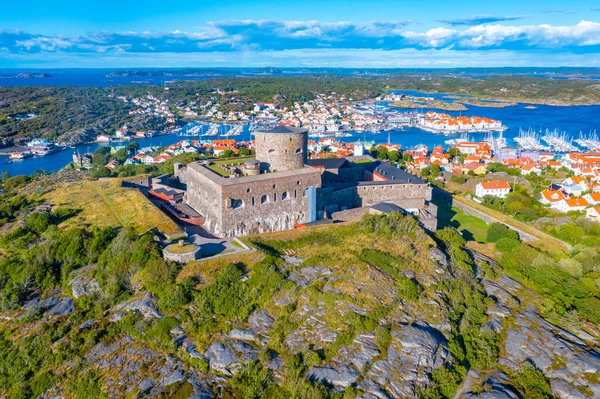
526, 232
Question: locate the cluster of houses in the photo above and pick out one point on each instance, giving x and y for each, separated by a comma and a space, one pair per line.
576, 193
149, 155
444, 123
474, 156
151, 106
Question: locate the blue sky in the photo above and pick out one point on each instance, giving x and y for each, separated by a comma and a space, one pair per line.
369, 33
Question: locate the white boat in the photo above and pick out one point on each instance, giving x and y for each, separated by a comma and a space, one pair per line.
530, 140
559, 141
589, 141
234, 131
212, 131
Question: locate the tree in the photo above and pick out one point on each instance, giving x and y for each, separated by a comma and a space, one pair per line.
101, 156
133, 147
407, 157
454, 152
244, 151
121, 155
393, 156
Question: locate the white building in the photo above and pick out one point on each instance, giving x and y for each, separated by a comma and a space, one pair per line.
499, 189
572, 204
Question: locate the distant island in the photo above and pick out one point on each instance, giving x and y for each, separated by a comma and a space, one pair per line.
28, 75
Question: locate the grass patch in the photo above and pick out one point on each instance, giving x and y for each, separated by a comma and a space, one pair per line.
546, 241
176, 249
472, 228
105, 203
217, 166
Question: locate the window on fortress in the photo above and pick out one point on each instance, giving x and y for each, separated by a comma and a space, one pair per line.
237, 203
275, 197
298, 150
252, 201
264, 199
271, 151
284, 195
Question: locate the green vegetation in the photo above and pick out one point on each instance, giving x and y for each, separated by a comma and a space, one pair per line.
181, 249
531, 383
107, 203
569, 283
471, 227
217, 166
499, 231
369, 275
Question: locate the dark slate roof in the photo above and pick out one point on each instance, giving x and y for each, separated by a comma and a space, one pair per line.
169, 191
386, 207
332, 163
393, 174
284, 129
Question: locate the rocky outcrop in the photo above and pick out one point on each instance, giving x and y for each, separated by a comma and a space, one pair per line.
334, 376
143, 306
308, 275
360, 353
496, 386
50, 306
82, 285
415, 350
567, 362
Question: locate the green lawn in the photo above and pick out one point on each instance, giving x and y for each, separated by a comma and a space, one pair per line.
215, 166
176, 249
471, 227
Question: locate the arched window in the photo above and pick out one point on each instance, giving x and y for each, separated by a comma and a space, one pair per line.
298, 150
237, 203
284, 195
264, 199
271, 151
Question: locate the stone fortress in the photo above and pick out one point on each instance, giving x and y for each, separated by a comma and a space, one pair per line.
280, 189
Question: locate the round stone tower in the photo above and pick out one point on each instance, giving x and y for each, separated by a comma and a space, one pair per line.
281, 148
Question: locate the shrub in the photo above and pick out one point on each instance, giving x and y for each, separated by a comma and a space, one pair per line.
252, 381
497, 231
571, 266
38, 222
409, 289
531, 382
507, 244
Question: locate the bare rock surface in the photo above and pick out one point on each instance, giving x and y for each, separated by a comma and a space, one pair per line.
261, 322
82, 285
308, 275
360, 353
143, 306
563, 357
341, 376
221, 357
414, 351
497, 386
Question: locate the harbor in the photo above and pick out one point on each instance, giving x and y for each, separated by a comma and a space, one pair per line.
578, 122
